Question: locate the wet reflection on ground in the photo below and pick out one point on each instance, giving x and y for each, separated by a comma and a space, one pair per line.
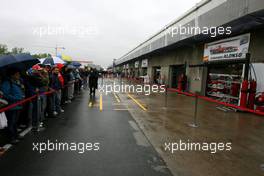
167, 121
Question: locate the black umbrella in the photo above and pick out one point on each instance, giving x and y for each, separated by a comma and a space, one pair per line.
20, 61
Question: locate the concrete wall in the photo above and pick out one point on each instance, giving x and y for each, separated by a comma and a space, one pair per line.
191, 55
210, 14
256, 47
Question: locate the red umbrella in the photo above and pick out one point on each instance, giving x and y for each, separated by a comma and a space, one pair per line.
60, 66
37, 67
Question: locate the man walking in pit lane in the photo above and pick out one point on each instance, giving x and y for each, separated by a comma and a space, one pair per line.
93, 81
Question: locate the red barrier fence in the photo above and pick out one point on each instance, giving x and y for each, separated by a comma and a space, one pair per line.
217, 101
26, 100
190, 94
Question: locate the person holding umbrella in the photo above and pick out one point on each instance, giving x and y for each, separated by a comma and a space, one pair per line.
93, 81
13, 89
13, 92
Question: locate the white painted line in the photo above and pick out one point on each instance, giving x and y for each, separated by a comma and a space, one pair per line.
23, 133
121, 109
7, 146
26, 131
133, 125
141, 140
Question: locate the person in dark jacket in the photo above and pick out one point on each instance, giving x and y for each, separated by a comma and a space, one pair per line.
49, 107
57, 86
71, 81
64, 92
44, 79
33, 83
13, 92
93, 81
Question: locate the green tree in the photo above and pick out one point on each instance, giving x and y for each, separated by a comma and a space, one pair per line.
3, 49
17, 50
41, 55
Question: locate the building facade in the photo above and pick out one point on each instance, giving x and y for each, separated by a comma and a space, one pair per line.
165, 57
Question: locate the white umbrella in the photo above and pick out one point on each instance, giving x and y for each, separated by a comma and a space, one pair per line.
41, 60
58, 60
53, 60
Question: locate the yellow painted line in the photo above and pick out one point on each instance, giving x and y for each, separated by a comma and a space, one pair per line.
117, 99
101, 102
137, 102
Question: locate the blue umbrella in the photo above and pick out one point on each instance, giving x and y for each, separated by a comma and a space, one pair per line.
75, 64
6, 60
70, 66
20, 61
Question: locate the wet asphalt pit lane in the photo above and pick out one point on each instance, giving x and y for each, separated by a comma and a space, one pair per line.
140, 138
262, 167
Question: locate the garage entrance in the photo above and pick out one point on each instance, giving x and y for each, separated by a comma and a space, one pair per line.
156, 75
176, 71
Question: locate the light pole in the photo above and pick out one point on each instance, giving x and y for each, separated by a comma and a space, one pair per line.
56, 49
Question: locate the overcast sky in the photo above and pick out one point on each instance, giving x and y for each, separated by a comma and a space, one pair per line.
95, 30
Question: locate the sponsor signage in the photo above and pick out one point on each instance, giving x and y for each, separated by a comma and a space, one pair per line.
144, 63
136, 64
227, 49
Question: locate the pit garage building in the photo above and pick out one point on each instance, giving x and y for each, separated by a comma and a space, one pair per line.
214, 65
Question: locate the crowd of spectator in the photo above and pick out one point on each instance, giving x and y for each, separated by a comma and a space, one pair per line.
52, 86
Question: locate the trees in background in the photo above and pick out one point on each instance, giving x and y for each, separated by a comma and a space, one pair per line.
3, 49
41, 55
16, 50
